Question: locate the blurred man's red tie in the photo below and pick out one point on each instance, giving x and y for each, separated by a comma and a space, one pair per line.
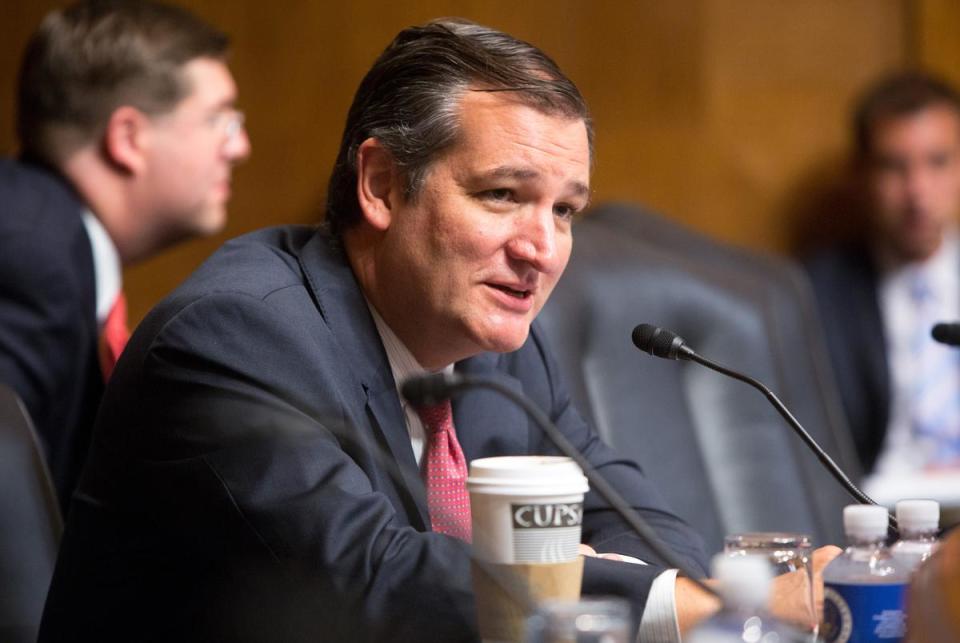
114, 336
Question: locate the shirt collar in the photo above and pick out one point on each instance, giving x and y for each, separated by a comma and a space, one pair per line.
403, 364
108, 275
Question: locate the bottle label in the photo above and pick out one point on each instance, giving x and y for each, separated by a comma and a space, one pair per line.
863, 613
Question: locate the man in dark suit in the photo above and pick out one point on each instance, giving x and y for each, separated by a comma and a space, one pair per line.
128, 135
880, 294
255, 474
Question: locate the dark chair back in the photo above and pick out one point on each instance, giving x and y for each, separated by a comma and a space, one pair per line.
721, 454
30, 523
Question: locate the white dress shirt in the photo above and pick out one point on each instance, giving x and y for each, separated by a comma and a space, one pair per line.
899, 453
106, 266
659, 622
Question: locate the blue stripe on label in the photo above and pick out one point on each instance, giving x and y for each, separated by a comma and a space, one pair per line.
863, 613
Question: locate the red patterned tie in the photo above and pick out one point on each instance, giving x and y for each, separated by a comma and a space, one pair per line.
114, 336
445, 473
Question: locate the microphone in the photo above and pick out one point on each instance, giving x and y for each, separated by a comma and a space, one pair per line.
668, 345
660, 343
433, 388
947, 333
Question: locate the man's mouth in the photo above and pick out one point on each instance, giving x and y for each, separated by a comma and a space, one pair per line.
513, 292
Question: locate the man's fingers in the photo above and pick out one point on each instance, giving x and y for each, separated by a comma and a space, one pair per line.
824, 555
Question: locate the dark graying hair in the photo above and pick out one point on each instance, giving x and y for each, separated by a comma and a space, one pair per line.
409, 100
902, 93
90, 58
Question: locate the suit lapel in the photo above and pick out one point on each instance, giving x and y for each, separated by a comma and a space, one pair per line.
871, 336
343, 307
487, 423
384, 408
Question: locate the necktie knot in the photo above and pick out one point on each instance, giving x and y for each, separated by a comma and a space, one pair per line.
436, 417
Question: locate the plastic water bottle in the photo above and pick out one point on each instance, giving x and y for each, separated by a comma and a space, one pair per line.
864, 587
919, 522
745, 589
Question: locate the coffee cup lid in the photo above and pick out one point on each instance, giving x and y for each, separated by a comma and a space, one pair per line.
525, 475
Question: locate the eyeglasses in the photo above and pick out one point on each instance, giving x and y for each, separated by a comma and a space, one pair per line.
229, 122
235, 121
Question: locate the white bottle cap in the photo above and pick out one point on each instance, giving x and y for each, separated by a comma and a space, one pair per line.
918, 515
865, 522
744, 578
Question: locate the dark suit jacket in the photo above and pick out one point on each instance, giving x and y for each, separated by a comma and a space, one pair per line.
251, 476
48, 327
845, 284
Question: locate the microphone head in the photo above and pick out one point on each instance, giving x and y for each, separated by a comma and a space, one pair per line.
660, 342
430, 388
948, 334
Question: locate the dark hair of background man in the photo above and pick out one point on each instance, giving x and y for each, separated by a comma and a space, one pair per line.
92, 57
897, 95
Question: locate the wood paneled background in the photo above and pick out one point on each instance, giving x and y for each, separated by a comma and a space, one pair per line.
728, 115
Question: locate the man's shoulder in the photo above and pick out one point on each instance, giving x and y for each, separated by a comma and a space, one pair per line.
254, 264
838, 264
35, 199
259, 273
44, 247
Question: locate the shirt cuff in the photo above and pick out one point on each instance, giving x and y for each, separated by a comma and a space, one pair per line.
659, 622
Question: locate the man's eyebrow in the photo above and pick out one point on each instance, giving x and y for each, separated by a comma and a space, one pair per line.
525, 174
511, 172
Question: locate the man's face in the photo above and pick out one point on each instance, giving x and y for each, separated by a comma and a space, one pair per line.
468, 264
914, 180
193, 149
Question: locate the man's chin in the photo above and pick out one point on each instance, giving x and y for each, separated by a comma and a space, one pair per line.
212, 220
918, 248
505, 342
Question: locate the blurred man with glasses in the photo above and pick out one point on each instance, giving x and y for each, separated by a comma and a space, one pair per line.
128, 134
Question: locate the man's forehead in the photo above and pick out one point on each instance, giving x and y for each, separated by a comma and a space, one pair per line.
934, 119
505, 123
208, 82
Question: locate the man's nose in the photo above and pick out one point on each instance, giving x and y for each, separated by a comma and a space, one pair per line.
535, 240
918, 181
237, 144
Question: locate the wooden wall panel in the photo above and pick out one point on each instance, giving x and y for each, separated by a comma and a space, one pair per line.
935, 36
713, 111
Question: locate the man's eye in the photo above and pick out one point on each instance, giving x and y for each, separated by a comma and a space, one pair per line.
499, 194
891, 166
565, 211
939, 160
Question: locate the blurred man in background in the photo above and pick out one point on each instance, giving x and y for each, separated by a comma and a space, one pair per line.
128, 135
880, 296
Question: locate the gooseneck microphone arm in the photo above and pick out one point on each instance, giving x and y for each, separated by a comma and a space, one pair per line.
437, 387
663, 343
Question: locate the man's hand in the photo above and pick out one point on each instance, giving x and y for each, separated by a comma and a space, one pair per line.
790, 592
789, 596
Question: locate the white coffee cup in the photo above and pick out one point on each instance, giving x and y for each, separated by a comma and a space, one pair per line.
526, 509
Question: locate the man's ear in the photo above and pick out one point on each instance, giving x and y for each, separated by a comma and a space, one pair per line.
376, 178
125, 140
